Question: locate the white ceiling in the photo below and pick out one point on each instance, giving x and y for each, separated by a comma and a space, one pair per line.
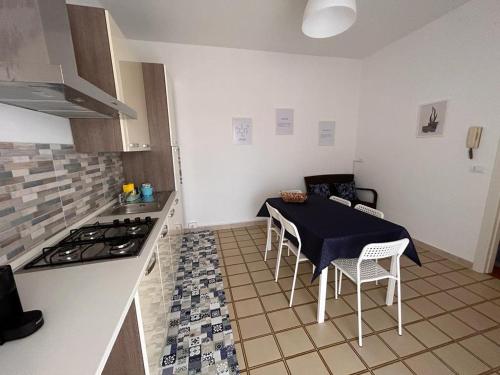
271, 25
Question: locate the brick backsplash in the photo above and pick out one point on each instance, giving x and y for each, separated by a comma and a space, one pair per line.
45, 188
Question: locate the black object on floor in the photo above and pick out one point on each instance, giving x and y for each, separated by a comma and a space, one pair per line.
14, 322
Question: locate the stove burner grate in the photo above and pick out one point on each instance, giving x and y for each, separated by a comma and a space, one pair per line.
96, 242
91, 234
68, 253
120, 248
134, 229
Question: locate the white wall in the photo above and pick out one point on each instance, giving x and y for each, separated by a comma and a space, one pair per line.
24, 125
224, 183
426, 184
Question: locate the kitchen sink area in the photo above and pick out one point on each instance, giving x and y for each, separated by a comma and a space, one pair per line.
140, 206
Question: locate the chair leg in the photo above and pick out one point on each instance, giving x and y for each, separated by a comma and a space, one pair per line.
336, 283
376, 281
340, 282
400, 320
269, 238
278, 260
360, 333
294, 278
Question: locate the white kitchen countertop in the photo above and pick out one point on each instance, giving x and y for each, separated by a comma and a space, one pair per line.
83, 306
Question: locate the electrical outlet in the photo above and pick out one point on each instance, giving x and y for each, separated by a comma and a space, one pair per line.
358, 160
192, 224
477, 169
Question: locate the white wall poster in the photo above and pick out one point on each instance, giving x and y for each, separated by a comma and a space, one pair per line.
284, 121
326, 133
242, 131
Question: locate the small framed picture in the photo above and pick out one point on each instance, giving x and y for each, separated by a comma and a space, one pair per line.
242, 131
431, 119
326, 133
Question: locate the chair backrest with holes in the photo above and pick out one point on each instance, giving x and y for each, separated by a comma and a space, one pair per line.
340, 200
384, 250
369, 210
291, 229
275, 214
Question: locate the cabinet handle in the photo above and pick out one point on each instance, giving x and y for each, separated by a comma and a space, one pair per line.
165, 232
145, 145
151, 266
134, 145
176, 201
172, 212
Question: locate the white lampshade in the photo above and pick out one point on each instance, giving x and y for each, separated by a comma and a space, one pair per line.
326, 18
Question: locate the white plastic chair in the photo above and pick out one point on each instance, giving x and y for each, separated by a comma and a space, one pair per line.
288, 226
272, 227
365, 269
341, 200
369, 210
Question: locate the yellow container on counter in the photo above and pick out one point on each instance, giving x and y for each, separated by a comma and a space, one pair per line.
127, 188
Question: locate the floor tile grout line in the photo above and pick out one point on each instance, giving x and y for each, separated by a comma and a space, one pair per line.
421, 295
273, 333
406, 300
307, 333
235, 313
381, 331
248, 367
269, 323
270, 326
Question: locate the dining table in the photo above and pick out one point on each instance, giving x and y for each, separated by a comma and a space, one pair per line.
330, 230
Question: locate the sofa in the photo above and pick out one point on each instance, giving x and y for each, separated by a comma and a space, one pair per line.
331, 179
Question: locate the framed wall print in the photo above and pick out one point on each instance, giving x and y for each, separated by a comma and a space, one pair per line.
284, 121
242, 131
431, 119
326, 133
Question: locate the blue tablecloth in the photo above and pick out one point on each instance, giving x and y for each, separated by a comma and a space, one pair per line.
330, 230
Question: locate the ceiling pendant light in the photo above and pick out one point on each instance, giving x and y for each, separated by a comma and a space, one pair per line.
326, 18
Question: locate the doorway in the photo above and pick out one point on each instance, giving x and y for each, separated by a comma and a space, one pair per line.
486, 255
496, 266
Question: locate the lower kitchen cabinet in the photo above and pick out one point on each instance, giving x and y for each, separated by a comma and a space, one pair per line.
139, 346
175, 226
157, 287
175, 218
152, 313
168, 267
126, 356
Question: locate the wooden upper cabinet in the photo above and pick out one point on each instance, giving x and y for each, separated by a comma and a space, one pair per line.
98, 42
135, 131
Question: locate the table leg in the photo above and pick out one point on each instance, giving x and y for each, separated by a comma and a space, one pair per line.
389, 298
323, 278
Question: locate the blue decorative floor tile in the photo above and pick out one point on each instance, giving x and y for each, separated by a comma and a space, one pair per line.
200, 338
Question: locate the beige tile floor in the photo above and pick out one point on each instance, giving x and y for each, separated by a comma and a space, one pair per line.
451, 317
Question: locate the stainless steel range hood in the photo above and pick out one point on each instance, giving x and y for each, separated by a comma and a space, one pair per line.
38, 68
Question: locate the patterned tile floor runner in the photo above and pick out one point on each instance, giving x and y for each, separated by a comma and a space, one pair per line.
199, 338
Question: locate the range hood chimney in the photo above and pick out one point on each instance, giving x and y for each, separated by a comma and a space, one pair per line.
38, 68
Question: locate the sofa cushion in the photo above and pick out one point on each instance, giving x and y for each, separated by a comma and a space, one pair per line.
346, 190
323, 190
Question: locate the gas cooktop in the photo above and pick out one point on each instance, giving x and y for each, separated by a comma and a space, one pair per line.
96, 242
